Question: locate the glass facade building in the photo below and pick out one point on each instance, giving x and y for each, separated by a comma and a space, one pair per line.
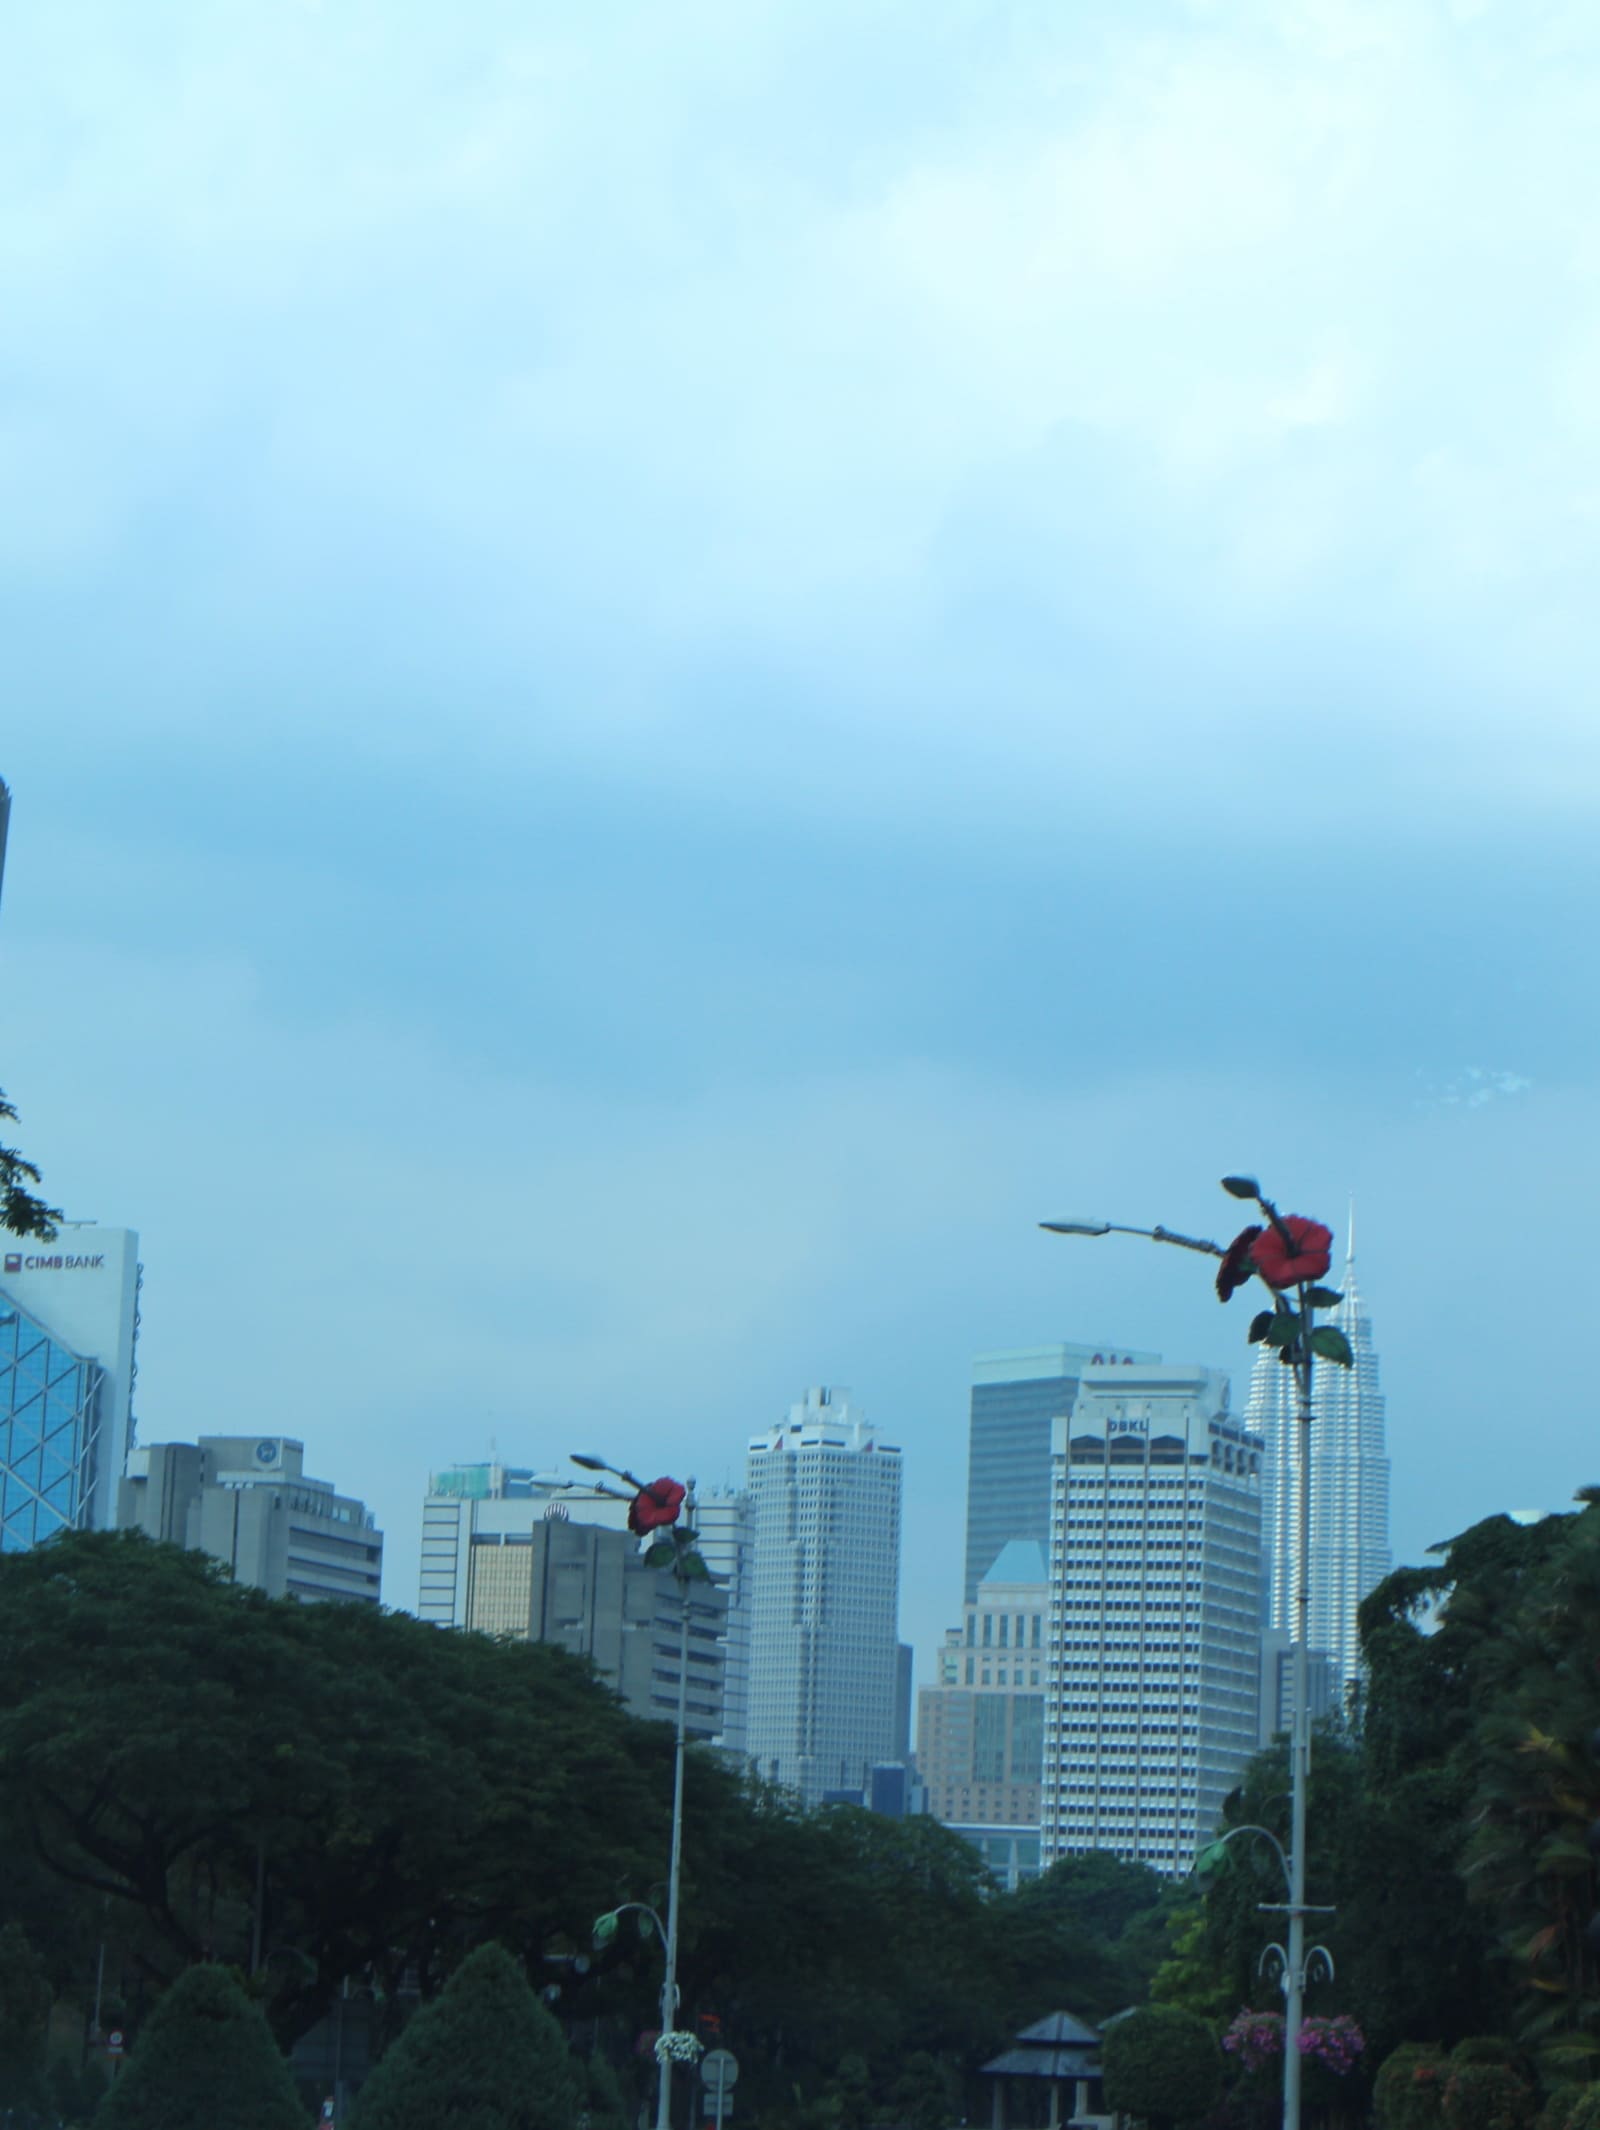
1016, 1399
49, 1431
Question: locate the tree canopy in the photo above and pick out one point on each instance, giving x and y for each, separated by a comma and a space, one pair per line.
338, 1796
1458, 1829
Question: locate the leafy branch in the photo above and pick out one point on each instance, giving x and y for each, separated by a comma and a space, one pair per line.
21, 1211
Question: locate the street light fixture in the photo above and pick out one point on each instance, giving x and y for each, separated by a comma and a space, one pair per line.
1296, 1341
686, 1563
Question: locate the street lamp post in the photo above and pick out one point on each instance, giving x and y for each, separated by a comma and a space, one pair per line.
686, 1565
1297, 1343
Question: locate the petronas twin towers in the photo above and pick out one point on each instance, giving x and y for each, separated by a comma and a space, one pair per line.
1349, 1488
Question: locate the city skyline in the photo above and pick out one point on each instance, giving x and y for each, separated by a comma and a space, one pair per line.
613, 804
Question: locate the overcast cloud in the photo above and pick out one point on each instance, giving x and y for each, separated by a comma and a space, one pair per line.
669, 668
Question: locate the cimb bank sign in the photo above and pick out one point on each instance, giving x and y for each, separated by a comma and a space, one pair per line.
15, 1261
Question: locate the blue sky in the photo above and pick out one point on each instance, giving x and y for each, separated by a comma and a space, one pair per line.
671, 668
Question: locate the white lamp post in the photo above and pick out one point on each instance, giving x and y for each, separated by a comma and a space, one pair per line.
684, 1551
1302, 1344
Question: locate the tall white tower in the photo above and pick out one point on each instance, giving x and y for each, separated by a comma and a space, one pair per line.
1155, 1616
1349, 1486
824, 1597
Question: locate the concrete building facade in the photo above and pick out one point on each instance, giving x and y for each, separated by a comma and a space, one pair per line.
246, 1500
506, 1551
825, 1591
722, 1525
1154, 1679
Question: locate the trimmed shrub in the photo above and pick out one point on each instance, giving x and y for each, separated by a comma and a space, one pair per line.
205, 2061
1161, 2063
484, 2055
1556, 2114
1408, 2092
1491, 2048
1487, 2096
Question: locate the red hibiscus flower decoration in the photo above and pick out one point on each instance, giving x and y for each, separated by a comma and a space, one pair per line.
655, 1506
1292, 1250
1237, 1263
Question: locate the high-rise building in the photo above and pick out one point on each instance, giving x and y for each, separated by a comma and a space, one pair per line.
246, 1500
69, 1319
722, 1531
507, 1551
1016, 1398
1155, 1619
980, 1730
1349, 1488
825, 1592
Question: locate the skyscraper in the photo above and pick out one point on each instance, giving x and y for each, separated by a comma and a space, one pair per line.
69, 1320
1349, 1487
825, 1593
1016, 1397
1155, 1616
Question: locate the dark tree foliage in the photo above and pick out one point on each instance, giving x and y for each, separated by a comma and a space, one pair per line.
205, 2061
404, 1794
1458, 1832
484, 2055
1161, 2063
21, 1212
1408, 2091
1487, 2096
170, 1743
25, 1999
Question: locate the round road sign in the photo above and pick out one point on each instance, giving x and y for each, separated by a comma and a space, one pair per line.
719, 2067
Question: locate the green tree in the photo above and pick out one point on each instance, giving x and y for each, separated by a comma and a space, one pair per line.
1161, 2063
21, 1212
25, 1999
484, 2055
206, 2060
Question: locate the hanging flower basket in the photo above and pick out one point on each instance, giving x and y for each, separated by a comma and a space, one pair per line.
679, 2046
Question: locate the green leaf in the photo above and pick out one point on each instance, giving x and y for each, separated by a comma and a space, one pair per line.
1323, 1297
1332, 1345
1241, 1186
1282, 1328
605, 1929
692, 1565
662, 1554
1212, 1858
1260, 1326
